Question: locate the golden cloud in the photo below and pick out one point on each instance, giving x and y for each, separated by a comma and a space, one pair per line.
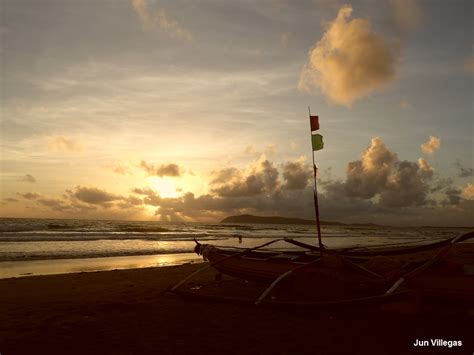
349, 62
468, 192
430, 146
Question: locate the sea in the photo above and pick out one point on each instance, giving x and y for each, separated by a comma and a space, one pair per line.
52, 246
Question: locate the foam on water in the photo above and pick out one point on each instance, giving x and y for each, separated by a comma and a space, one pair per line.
46, 239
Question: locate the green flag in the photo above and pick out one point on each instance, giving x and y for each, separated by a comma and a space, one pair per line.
317, 141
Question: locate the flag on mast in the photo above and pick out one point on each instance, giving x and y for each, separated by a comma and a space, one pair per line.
314, 121
317, 142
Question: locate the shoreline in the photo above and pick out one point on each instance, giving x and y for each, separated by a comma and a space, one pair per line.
28, 268
128, 312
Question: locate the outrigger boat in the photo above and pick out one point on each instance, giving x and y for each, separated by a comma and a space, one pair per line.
440, 270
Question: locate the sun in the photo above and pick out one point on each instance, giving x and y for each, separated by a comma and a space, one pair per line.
165, 187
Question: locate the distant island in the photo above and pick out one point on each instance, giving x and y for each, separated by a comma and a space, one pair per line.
247, 218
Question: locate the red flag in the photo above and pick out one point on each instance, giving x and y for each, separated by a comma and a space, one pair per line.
314, 121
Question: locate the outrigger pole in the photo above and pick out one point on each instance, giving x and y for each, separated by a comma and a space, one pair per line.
315, 187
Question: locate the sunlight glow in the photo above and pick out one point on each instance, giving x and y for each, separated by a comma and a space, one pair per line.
165, 187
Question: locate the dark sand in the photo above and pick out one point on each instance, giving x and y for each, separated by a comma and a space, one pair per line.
126, 312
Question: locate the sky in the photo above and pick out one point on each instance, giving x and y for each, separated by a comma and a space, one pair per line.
197, 110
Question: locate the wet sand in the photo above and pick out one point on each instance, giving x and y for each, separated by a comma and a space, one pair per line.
127, 312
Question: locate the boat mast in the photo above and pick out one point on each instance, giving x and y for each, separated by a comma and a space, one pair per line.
315, 187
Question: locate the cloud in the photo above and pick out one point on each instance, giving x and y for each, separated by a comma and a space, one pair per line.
94, 196
151, 198
64, 144
469, 65
262, 178
129, 202
377, 188
406, 13
226, 175
101, 203
122, 170
406, 186
171, 170
441, 184
468, 192
250, 149
271, 149
368, 176
296, 175
453, 197
464, 172
379, 173
29, 178
10, 200
425, 169
349, 62
29, 195
55, 204
430, 146
162, 19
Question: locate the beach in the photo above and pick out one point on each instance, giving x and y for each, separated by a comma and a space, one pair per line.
129, 312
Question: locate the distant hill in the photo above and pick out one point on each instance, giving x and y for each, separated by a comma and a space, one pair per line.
247, 218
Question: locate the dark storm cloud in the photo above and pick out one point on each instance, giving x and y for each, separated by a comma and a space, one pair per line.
172, 170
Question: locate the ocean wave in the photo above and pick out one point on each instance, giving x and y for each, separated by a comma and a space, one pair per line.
5, 228
16, 256
100, 236
143, 229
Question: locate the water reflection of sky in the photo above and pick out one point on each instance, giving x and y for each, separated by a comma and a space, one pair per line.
60, 266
